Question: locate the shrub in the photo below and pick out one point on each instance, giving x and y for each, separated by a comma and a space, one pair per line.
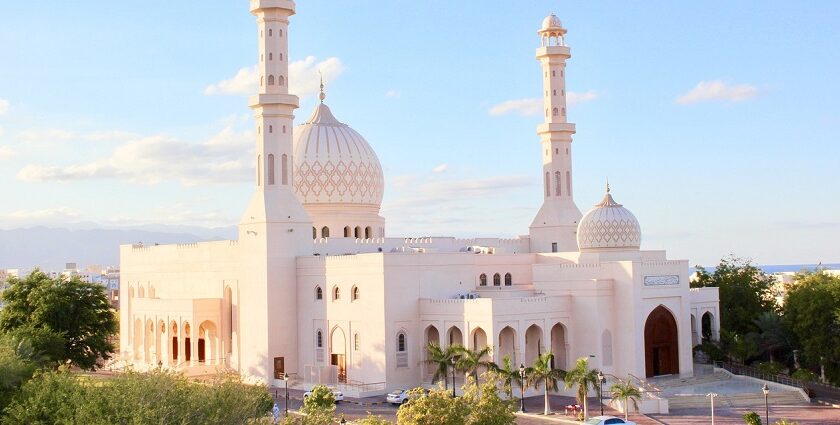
711, 350
804, 375
771, 368
752, 418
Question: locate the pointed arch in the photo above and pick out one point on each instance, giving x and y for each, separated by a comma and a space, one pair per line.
455, 336
508, 279
547, 184
559, 342
661, 343
497, 280
347, 231
271, 80
368, 232
507, 345
533, 343
482, 280
325, 232
284, 169
271, 169
557, 184
281, 81
319, 293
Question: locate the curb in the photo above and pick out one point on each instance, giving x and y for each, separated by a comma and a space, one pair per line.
825, 403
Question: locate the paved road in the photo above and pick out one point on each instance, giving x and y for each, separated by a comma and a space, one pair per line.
803, 414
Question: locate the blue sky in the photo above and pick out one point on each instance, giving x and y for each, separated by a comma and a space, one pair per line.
716, 122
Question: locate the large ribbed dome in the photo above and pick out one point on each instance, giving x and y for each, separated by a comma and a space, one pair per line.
609, 225
334, 164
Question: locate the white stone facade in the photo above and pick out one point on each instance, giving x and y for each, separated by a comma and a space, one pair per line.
359, 309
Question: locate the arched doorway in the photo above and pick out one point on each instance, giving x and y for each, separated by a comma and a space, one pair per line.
174, 347
507, 345
706, 325
207, 342
479, 339
432, 337
694, 339
455, 336
558, 346
661, 348
138, 339
533, 344
338, 352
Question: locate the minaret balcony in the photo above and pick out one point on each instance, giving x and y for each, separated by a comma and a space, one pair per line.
544, 51
266, 99
565, 127
272, 4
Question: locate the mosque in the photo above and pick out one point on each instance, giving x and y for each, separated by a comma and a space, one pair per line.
315, 289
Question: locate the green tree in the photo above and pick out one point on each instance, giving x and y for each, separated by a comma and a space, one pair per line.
625, 393
441, 359
745, 293
469, 362
319, 406
372, 420
15, 368
486, 407
507, 375
76, 310
583, 377
807, 311
772, 335
752, 418
542, 374
437, 407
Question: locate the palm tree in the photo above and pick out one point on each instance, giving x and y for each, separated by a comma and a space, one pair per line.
582, 376
470, 361
541, 373
507, 375
441, 359
625, 392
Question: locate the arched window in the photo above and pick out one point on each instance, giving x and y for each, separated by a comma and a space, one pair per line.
270, 56
568, 183
553, 111
368, 232
401, 343
259, 170
281, 56
325, 232
281, 81
271, 81
319, 293
357, 342
557, 185
354, 293
357, 233
347, 231
508, 279
271, 168
269, 32
262, 83
284, 129
314, 233
281, 32
271, 129
546, 112
284, 169
482, 280
319, 339
554, 92
564, 112
553, 72
336, 293
547, 185
497, 280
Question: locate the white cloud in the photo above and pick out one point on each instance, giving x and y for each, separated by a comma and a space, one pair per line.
4, 106
304, 78
5, 151
226, 157
718, 90
533, 106
51, 136
392, 93
39, 216
440, 168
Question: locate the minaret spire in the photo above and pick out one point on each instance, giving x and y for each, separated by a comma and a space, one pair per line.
554, 227
322, 96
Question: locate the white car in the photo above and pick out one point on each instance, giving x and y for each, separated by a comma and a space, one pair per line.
397, 396
339, 396
607, 420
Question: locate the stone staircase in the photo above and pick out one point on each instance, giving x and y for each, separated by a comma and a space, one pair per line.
776, 398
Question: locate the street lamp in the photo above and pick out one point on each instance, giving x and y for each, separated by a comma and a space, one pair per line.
712, 397
522, 387
766, 390
286, 388
452, 362
601, 381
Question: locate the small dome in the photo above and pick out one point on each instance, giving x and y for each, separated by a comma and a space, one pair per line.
609, 225
551, 22
334, 164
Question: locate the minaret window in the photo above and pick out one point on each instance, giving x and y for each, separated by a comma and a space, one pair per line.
508, 279
553, 73
547, 185
281, 81
347, 231
270, 80
569, 183
319, 293
325, 232
557, 185
284, 129
564, 112
336, 294
553, 112
269, 32
281, 56
271, 168
281, 32
554, 92
270, 56
497, 280
368, 232
357, 233
284, 169
319, 339
562, 92
262, 81
482, 280
314, 233
259, 170
271, 129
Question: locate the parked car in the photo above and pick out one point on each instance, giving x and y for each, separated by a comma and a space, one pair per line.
607, 420
397, 396
339, 396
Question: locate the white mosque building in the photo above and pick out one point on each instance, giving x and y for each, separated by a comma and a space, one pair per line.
314, 288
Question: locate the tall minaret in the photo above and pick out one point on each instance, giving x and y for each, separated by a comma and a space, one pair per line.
554, 227
275, 228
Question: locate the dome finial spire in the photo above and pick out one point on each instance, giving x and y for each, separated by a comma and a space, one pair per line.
322, 96
608, 185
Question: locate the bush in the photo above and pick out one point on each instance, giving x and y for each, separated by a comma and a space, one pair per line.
372, 420
711, 350
752, 418
804, 375
786, 422
771, 368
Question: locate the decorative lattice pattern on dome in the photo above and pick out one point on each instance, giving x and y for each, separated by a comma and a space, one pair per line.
352, 181
609, 225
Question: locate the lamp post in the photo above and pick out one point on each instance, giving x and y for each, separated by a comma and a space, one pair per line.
712, 397
766, 390
452, 362
286, 389
601, 380
522, 387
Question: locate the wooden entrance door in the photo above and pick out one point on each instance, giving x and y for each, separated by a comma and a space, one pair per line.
661, 343
338, 360
187, 349
175, 348
201, 350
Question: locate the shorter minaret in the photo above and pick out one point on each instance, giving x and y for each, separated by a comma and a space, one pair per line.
554, 227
